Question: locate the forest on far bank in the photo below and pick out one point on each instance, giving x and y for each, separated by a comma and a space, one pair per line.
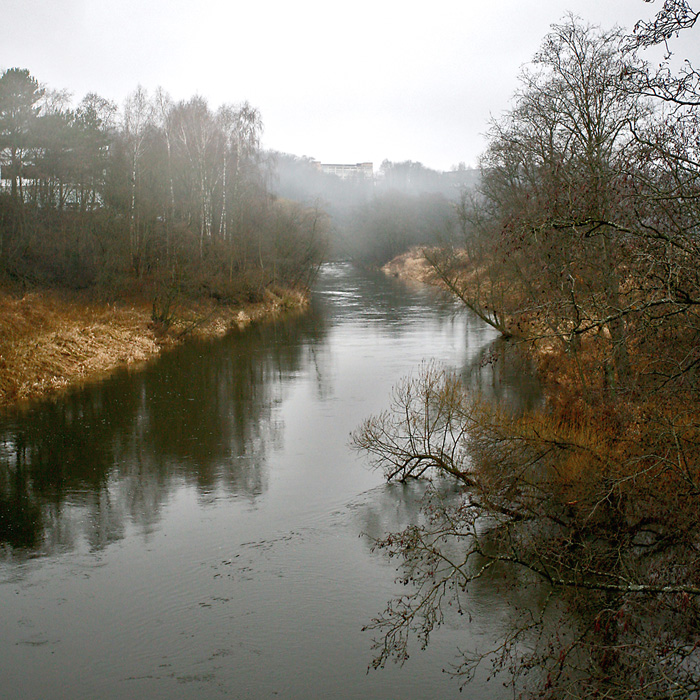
173, 209
180, 198
158, 196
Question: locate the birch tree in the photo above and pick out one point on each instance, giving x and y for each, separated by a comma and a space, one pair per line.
198, 139
136, 119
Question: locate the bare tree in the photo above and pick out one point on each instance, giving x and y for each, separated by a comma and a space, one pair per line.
136, 120
163, 109
681, 88
469, 266
590, 198
241, 127
199, 142
552, 179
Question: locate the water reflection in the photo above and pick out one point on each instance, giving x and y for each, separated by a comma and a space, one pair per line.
205, 414
79, 467
505, 372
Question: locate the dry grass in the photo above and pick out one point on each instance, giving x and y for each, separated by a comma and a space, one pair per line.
49, 340
411, 266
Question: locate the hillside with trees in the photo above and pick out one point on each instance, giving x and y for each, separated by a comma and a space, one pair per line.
406, 204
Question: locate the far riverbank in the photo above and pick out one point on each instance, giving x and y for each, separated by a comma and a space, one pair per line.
50, 340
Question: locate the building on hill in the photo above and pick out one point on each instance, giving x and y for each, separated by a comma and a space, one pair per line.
347, 171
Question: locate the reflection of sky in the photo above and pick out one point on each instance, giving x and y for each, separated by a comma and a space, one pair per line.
8, 451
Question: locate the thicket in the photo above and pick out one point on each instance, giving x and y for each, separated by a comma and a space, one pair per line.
583, 242
161, 196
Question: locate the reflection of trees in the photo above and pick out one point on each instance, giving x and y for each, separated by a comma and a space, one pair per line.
503, 371
57, 451
491, 612
392, 508
80, 467
19, 512
208, 409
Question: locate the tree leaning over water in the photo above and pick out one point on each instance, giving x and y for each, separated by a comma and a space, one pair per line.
588, 214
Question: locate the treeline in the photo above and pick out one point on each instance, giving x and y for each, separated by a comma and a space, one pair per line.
406, 204
583, 243
413, 205
156, 190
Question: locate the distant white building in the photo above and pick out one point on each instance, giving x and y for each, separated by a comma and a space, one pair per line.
348, 171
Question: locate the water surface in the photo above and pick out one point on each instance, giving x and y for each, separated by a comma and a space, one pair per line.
195, 529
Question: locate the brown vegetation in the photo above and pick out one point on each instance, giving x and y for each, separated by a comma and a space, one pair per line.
411, 266
162, 209
52, 339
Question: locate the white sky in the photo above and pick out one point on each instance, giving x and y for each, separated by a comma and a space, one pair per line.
340, 82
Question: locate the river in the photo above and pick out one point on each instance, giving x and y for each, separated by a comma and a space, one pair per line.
200, 528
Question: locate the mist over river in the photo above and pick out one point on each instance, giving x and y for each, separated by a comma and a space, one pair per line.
201, 529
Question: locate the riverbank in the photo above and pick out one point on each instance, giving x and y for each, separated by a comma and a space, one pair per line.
412, 266
50, 340
476, 289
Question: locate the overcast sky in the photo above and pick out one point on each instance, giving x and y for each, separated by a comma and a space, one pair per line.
337, 81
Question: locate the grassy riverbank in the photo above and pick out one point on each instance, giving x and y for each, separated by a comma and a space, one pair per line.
51, 339
411, 266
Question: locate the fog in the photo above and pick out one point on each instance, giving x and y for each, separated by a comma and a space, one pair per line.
373, 219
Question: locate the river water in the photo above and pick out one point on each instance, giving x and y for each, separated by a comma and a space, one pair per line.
201, 529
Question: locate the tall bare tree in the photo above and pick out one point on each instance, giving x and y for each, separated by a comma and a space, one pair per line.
137, 117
